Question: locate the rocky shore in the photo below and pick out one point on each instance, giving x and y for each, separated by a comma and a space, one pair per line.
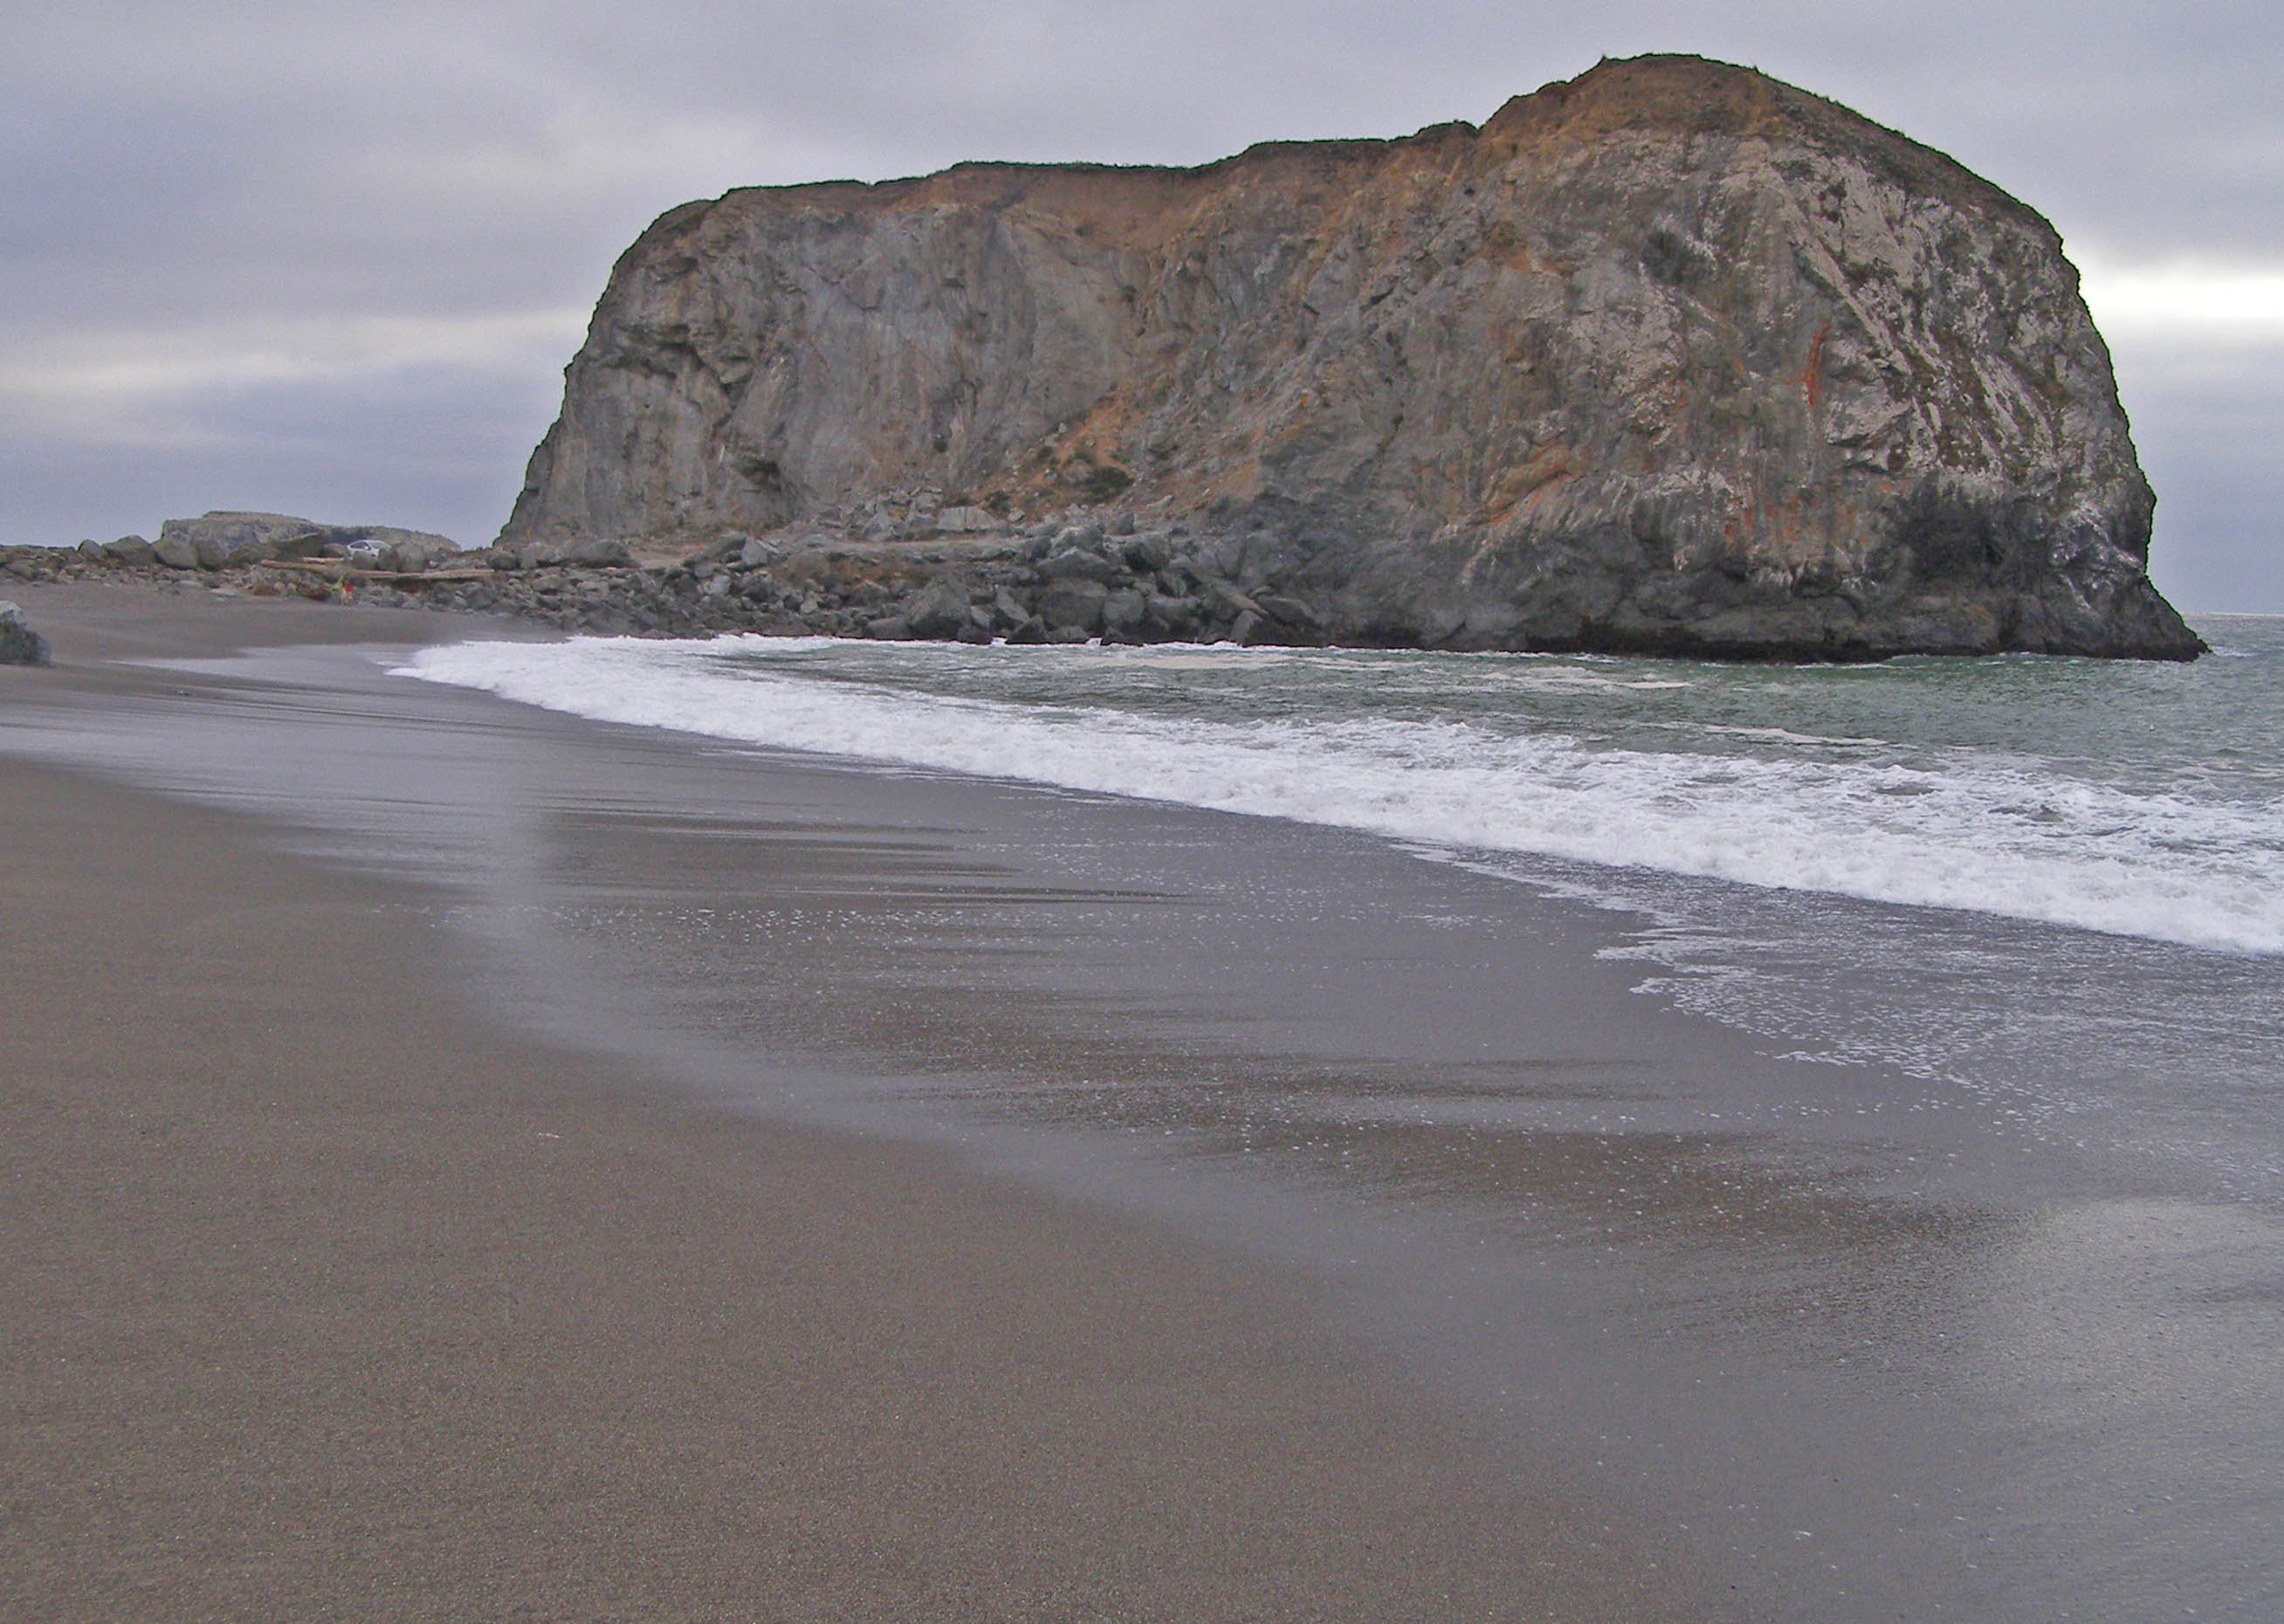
925, 575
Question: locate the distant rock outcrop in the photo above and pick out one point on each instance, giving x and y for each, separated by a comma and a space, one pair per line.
228, 539
1668, 357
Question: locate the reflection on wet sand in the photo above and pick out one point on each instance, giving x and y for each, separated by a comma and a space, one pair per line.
943, 974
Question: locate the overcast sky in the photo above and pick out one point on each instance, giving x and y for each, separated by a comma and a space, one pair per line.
331, 258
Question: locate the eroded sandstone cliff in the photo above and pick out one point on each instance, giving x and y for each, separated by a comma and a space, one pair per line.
1669, 357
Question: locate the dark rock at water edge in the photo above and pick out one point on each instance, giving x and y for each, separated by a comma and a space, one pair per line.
939, 610
971, 587
1671, 357
19, 644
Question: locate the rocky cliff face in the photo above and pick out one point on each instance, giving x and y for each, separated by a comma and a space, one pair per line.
1671, 356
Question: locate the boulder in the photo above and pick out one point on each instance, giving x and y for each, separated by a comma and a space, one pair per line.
225, 540
1073, 604
1171, 617
1225, 602
938, 610
132, 552
1289, 612
1147, 554
1123, 613
1079, 564
598, 553
965, 521
19, 644
1007, 611
723, 550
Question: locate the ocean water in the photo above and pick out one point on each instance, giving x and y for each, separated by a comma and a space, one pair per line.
2133, 799
2088, 855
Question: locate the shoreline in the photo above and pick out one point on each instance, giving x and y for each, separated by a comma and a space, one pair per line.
1790, 1325
311, 1316
1051, 583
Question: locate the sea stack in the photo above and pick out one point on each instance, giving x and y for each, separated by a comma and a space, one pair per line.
1669, 358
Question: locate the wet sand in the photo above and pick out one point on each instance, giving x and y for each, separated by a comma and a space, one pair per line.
325, 1295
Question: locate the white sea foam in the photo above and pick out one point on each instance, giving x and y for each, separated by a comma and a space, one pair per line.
1979, 832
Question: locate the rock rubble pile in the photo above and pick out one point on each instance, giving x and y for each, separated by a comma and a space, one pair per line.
1057, 580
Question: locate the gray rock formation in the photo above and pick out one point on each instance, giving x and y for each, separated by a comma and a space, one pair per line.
19, 644
228, 539
1671, 356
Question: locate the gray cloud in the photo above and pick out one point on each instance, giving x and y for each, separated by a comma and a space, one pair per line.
321, 254
2208, 421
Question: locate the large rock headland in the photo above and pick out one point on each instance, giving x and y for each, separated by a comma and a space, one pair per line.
1668, 357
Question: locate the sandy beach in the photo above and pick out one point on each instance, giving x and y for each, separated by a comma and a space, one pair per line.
327, 1296
471, 1156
